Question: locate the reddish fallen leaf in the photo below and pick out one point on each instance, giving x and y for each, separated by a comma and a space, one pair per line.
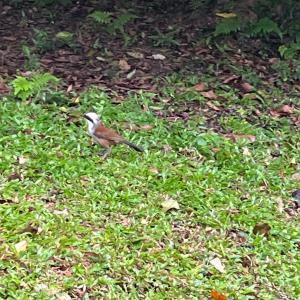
217, 296
209, 95
247, 88
286, 109
212, 106
263, 229
230, 78
274, 113
200, 87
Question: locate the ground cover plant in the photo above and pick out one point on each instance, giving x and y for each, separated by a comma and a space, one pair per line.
210, 90
203, 209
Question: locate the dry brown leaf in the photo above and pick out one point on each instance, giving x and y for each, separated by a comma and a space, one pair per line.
280, 205
212, 106
158, 57
136, 55
274, 113
169, 203
216, 262
263, 229
209, 95
247, 87
146, 127
123, 65
70, 88
199, 87
154, 170
230, 78
226, 15
21, 246
286, 109
246, 151
22, 160
217, 296
236, 137
15, 176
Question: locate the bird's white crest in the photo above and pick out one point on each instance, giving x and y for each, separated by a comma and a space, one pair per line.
93, 121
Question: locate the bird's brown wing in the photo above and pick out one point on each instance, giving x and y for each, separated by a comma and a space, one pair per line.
102, 132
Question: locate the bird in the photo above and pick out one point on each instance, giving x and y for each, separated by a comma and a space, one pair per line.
106, 137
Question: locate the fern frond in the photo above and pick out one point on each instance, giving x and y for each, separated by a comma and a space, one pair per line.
101, 17
227, 26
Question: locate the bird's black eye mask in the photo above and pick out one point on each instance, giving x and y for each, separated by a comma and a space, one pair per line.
88, 118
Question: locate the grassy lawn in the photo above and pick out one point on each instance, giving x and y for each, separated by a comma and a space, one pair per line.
76, 227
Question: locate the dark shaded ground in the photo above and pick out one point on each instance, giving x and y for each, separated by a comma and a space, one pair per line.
96, 57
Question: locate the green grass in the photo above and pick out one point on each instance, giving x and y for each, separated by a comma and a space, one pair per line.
98, 227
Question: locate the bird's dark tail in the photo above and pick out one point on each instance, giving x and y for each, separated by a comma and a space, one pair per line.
135, 147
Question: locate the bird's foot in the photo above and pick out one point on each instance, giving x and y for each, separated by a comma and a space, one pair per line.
104, 153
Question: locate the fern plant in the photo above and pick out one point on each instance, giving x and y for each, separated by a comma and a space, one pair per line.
113, 25
289, 51
264, 27
38, 84
101, 17
167, 39
227, 26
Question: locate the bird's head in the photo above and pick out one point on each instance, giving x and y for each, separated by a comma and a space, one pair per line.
92, 118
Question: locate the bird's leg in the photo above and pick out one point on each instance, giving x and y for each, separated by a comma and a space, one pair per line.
104, 153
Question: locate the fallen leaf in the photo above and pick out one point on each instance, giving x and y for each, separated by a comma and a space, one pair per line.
22, 160
158, 57
216, 262
154, 170
123, 65
15, 176
280, 205
63, 296
199, 87
217, 296
247, 88
209, 95
136, 55
296, 176
236, 137
131, 74
230, 78
61, 212
286, 109
146, 127
70, 88
246, 151
31, 228
167, 148
21, 246
169, 203
263, 229
100, 58
212, 106
274, 113
226, 15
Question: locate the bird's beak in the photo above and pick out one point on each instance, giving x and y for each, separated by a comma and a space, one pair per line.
88, 118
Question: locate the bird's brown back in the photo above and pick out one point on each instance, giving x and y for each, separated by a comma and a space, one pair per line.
112, 136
